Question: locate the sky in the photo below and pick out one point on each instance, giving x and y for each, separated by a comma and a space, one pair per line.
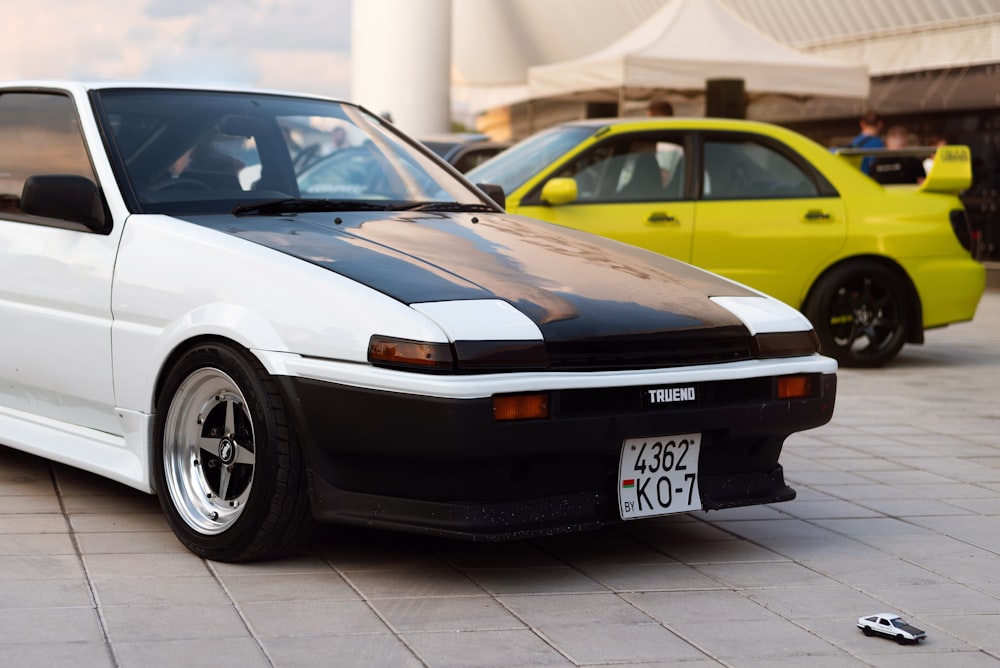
294, 45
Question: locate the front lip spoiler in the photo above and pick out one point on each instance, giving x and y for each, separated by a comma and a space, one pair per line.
513, 520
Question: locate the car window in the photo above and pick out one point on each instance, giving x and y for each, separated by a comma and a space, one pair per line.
475, 157
208, 152
513, 167
747, 169
629, 170
40, 134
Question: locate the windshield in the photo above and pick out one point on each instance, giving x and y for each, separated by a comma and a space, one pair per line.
520, 162
185, 151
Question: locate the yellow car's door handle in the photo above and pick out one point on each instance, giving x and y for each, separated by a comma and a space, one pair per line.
660, 217
813, 215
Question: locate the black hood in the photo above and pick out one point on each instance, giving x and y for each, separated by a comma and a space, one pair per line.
572, 285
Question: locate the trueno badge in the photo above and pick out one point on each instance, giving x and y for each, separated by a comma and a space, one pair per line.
670, 395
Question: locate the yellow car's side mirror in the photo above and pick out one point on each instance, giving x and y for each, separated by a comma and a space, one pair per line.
559, 191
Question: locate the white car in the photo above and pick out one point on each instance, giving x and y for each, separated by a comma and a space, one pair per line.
385, 347
891, 626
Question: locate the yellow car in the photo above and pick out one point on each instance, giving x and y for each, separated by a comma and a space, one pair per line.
872, 266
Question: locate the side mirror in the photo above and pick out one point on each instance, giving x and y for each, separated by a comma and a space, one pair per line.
66, 197
495, 193
559, 191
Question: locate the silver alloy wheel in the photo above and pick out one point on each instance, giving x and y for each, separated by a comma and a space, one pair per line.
208, 451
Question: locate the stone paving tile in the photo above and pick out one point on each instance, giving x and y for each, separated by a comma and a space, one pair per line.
484, 649
160, 590
340, 651
753, 639
720, 552
23, 626
56, 593
509, 581
724, 605
130, 542
650, 577
597, 643
832, 601
128, 565
58, 654
523, 554
416, 583
305, 618
927, 658
455, 613
319, 586
873, 570
40, 567
976, 630
36, 545
118, 522
947, 598
574, 609
177, 621
191, 652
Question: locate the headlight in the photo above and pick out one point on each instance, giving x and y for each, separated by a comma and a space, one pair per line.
460, 357
785, 344
410, 355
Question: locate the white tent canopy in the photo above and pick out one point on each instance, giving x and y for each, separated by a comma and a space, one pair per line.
686, 43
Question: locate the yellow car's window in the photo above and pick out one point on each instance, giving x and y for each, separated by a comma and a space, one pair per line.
630, 170
742, 169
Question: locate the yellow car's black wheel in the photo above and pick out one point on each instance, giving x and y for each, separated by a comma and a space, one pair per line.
860, 313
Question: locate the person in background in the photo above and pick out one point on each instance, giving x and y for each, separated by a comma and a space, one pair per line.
936, 142
897, 168
660, 108
871, 127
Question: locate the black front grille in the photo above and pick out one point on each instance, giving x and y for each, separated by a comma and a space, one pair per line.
644, 352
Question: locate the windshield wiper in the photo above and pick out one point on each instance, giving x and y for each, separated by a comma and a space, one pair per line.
443, 206
298, 205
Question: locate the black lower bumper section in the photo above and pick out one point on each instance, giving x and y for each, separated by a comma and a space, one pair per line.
514, 520
448, 467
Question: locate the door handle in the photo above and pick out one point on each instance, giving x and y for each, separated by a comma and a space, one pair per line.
815, 215
660, 217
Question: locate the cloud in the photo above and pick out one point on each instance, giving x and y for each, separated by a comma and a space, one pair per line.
290, 44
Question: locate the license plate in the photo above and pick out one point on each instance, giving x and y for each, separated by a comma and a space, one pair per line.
659, 476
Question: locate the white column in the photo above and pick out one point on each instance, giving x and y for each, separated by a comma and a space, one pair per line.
401, 62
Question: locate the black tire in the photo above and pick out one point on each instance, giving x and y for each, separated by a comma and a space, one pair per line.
867, 631
229, 475
901, 640
860, 312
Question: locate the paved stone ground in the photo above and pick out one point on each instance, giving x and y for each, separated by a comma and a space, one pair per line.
898, 510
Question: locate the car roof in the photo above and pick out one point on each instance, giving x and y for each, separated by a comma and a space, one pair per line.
82, 87
667, 122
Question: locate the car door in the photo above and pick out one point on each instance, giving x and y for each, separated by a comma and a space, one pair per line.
55, 277
765, 217
633, 188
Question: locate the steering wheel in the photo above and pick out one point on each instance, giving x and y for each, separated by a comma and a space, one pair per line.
305, 157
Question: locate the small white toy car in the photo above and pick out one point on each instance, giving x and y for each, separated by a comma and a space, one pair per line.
892, 626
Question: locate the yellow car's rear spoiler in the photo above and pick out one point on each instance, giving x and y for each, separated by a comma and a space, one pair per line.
950, 173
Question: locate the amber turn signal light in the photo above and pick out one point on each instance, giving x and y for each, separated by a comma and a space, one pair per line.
795, 387
520, 406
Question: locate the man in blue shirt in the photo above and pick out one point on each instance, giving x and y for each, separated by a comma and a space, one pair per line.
871, 126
